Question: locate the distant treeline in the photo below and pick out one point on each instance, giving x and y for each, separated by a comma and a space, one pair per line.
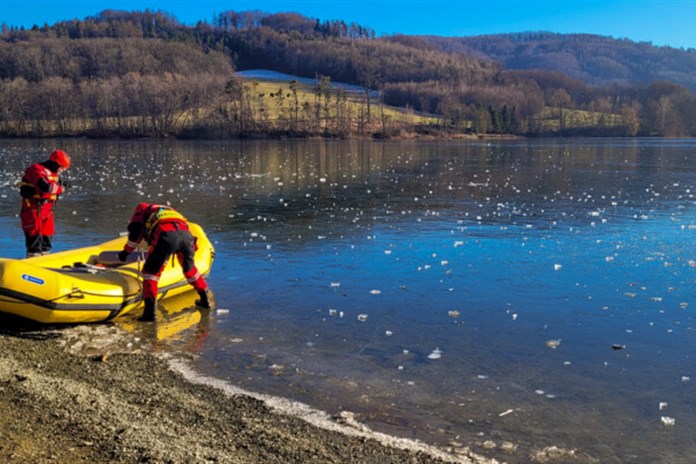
134, 74
595, 59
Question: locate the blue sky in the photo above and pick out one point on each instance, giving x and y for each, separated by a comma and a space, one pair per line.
669, 22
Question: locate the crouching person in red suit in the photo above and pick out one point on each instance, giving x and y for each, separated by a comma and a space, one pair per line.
167, 233
40, 188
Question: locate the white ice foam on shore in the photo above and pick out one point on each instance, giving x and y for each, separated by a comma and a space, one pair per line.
345, 423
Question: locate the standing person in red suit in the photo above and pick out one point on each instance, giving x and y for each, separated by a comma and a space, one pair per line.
40, 188
167, 233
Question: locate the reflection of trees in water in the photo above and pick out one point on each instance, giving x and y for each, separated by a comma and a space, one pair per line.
356, 182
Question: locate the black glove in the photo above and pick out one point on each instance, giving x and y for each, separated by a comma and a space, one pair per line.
123, 256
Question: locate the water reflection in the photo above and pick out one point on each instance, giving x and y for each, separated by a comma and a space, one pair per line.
181, 327
346, 265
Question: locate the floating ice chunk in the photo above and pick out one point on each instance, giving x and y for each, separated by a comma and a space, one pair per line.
458, 243
668, 421
388, 333
662, 405
436, 354
362, 317
557, 267
387, 252
685, 378
539, 392
444, 262
221, 311
375, 292
333, 312
553, 344
514, 316
335, 284
454, 313
609, 259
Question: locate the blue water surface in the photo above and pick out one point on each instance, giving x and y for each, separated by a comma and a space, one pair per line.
509, 295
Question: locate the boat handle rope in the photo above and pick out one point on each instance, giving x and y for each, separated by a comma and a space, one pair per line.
83, 292
70, 294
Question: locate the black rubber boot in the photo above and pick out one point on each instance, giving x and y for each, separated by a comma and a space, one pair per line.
203, 302
149, 311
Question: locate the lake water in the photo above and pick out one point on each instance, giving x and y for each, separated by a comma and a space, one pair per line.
508, 295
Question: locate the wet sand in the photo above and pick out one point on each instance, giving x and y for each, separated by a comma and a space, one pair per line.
61, 406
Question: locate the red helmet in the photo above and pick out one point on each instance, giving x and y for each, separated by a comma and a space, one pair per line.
61, 158
141, 208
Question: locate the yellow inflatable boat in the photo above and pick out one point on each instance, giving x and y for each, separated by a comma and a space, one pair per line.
89, 284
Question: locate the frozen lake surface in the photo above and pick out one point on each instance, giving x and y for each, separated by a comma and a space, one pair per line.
512, 296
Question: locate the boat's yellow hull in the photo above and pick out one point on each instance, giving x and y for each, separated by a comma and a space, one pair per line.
70, 287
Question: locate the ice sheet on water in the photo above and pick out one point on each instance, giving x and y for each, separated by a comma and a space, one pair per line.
436, 354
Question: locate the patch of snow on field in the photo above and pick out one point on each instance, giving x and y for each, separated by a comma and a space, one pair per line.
267, 74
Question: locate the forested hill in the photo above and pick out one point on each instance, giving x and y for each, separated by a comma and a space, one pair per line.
592, 58
137, 74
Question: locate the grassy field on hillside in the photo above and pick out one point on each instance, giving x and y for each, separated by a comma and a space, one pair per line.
279, 96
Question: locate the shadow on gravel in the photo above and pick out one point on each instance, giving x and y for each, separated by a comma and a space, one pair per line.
15, 326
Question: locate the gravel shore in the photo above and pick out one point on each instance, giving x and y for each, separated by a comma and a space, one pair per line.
127, 407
